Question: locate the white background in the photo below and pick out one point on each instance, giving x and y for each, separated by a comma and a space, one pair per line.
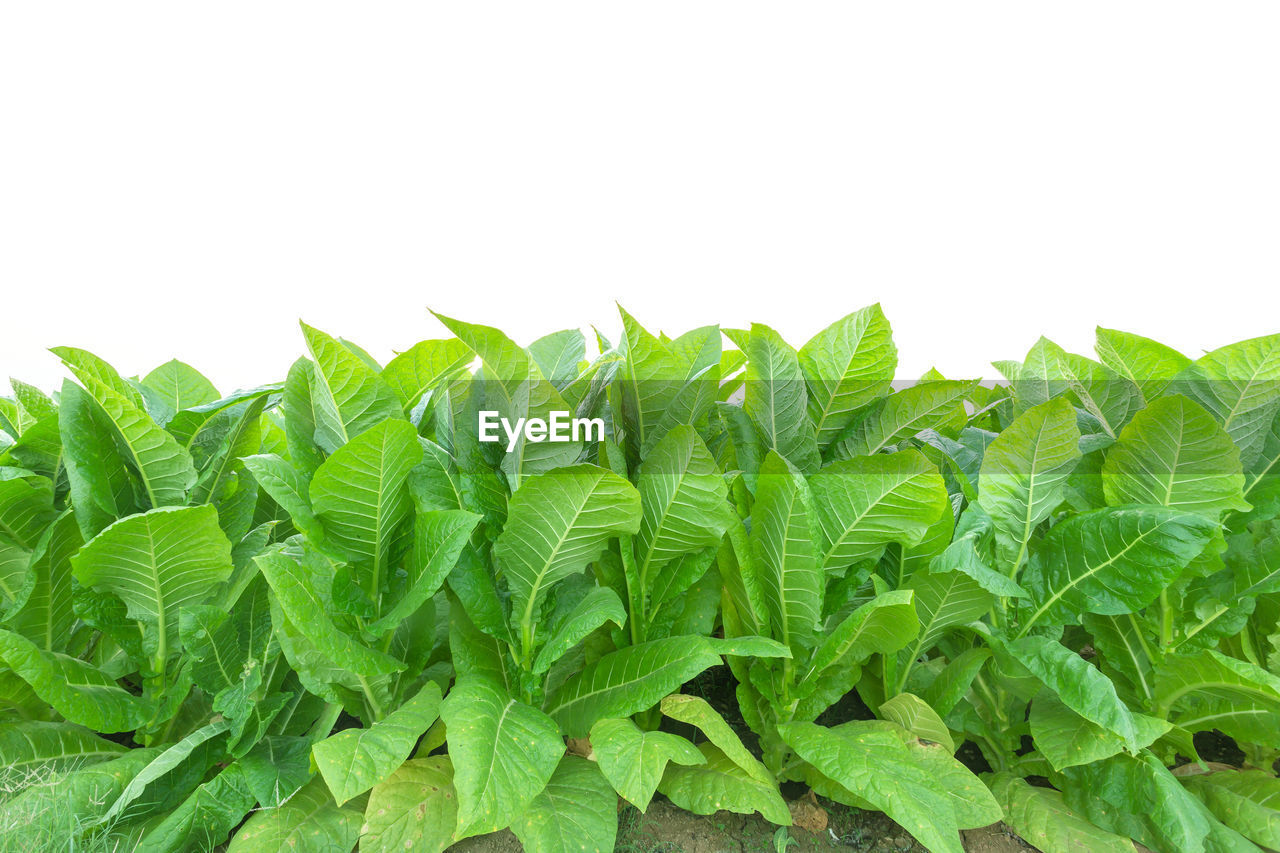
189, 180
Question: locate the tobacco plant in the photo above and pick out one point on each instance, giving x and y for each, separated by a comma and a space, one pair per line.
325, 613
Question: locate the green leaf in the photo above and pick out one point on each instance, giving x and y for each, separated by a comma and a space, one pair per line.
29, 748
354, 760
845, 366
163, 764
277, 768
1049, 370
633, 760
877, 768
1023, 474
1174, 454
1067, 739
862, 504
1240, 385
576, 811
1209, 690
423, 367
776, 399
719, 783
943, 601
1110, 562
26, 507
600, 605
914, 714
883, 625
697, 712
46, 616
78, 691
290, 488
361, 495
1080, 686
310, 821
204, 819
628, 681
347, 394
296, 591
102, 488
1148, 364
783, 553
931, 405
559, 354
174, 386
557, 523
157, 563
438, 539
88, 367
415, 808
503, 751
1247, 801
1043, 819
683, 506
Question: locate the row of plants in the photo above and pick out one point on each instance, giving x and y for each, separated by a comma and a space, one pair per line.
323, 613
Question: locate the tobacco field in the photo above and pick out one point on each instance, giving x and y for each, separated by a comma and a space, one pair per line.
323, 615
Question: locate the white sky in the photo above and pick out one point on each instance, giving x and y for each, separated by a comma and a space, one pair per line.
183, 180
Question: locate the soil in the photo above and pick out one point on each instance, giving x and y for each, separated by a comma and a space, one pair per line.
668, 829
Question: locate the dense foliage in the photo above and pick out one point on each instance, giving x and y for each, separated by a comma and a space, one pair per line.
322, 613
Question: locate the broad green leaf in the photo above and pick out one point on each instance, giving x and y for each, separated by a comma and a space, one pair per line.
1043, 819
1240, 385
157, 563
683, 508
628, 681
1110, 562
88, 367
720, 784
1148, 364
162, 765
1077, 684
354, 760
914, 714
576, 811
29, 748
845, 366
557, 523
860, 505
943, 601
597, 607
1067, 739
883, 625
204, 819
782, 549
559, 354
45, 616
1139, 796
347, 394
503, 752
290, 488
164, 468
276, 768
1049, 370
697, 712
310, 821
37, 403
1209, 690
297, 591
78, 691
970, 799
423, 367
1174, 454
930, 405
776, 399
438, 538
967, 554
102, 487
361, 496
415, 808
26, 507
1123, 653
1023, 475
877, 768
633, 760
948, 687
174, 386
1247, 801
